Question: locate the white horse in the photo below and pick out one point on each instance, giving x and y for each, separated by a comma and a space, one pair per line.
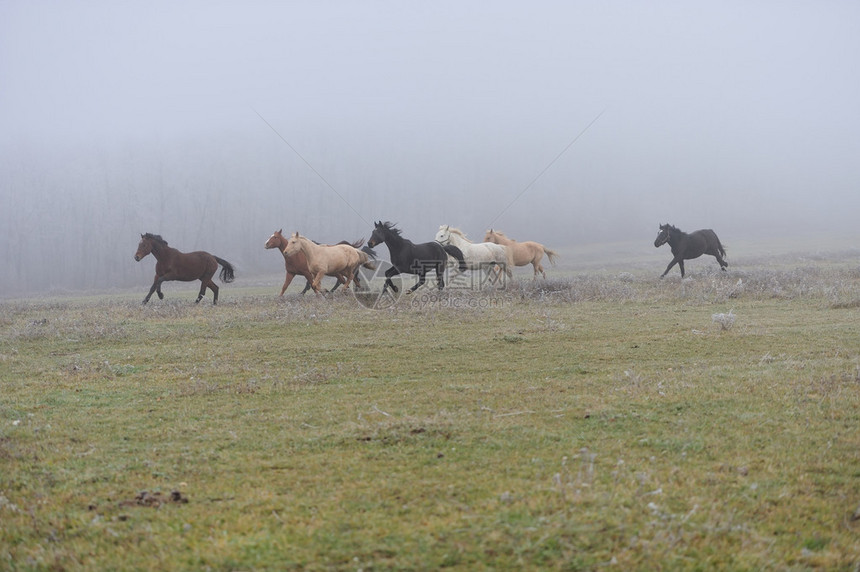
486, 256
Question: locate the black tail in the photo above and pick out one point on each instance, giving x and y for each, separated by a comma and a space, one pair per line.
456, 253
227, 270
369, 251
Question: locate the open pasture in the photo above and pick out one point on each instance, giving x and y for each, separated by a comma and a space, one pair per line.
601, 420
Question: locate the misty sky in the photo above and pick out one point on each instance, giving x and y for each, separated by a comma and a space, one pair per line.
731, 115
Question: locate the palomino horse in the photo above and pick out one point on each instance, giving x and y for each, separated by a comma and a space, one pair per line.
410, 258
478, 256
174, 265
298, 263
338, 260
523, 253
687, 246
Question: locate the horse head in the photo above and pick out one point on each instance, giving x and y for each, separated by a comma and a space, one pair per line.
294, 244
444, 235
275, 240
380, 231
144, 247
662, 235
490, 236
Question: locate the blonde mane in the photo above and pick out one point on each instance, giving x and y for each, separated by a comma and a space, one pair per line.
457, 231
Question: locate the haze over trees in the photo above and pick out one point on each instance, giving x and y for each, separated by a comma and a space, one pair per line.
568, 123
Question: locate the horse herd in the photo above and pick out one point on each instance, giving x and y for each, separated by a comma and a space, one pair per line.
307, 258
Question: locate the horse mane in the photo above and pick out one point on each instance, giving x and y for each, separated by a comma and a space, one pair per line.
673, 228
500, 233
457, 231
390, 226
155, 237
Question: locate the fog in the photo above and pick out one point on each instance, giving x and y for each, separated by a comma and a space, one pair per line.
572, 123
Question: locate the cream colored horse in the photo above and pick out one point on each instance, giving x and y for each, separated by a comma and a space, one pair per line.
523, 253
298, 264
338, 260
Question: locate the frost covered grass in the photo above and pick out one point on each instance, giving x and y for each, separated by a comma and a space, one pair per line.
598, 420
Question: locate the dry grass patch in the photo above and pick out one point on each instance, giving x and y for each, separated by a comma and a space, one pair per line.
604, 420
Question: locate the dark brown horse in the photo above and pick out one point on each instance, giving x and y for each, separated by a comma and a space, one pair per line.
297, 264
688, 246
174, 265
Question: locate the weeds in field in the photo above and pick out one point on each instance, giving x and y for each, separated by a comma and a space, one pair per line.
600, 420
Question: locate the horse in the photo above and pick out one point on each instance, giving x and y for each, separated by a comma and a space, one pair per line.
298, 263
478, 256
688, 246
185, 266
410, 258
340, 260
523, 253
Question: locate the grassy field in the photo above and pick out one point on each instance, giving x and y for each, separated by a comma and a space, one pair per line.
600, 420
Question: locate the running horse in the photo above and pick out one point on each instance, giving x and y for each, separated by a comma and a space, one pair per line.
184, 266
298, 262
485, 256
410, 258
688, 246
522, 253
342, 260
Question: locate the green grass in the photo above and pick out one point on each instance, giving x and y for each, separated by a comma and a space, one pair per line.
589, 422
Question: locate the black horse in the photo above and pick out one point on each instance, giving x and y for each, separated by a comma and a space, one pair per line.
687, 246
410, 258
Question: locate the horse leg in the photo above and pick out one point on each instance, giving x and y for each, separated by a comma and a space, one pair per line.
421, 278
720, 260
287, 281
681, 266
156, 287
388, 275
204, 283
344, 279
317, 281
496, 273
440, 276
673, 263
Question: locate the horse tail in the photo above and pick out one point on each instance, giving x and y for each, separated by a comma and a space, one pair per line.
551, 254
366, 260
227, 272
509, 257
369, 251
458, 254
